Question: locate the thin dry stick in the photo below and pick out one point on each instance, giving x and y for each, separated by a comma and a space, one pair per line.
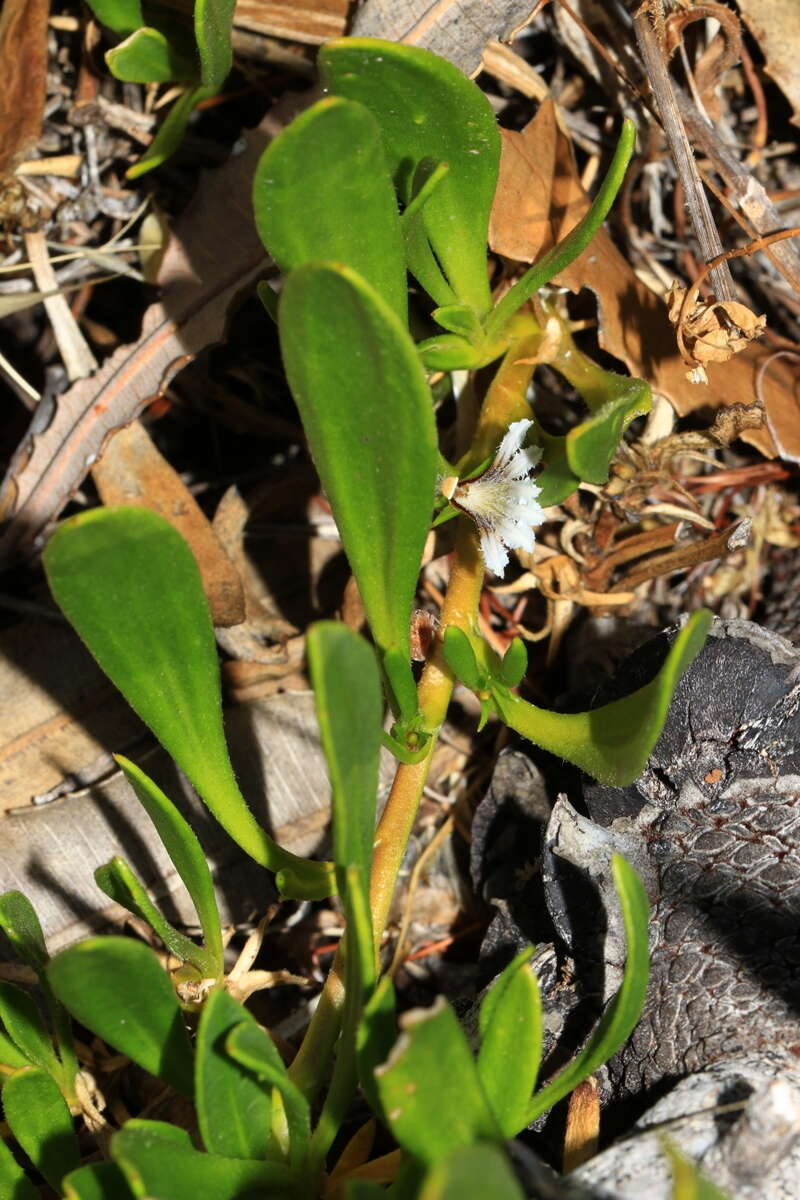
441, 835
647, 21
78, 358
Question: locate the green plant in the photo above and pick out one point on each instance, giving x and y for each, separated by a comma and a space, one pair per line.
155, 46
412, 145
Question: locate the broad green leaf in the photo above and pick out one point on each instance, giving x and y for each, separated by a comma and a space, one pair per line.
170, 133
612, 742
213, 20
367, 413
121, 16
128, 583
349, 702
511, 1043
14, 1183
688, 1183
429, 1087
560, 257
557, 479
146, 56
250, 1046
118, 880
233, 1108
97, 1181
472, 1173
159, 1169
40, 1120
23, 1024
117, 989
20, 924
429, 111
323, 193
186, 854
619, 1019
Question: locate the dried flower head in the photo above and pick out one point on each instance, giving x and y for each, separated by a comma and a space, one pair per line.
502, 501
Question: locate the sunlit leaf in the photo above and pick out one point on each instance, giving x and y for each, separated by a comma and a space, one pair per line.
429, 112
612, 742
233, 1107
20, 924
511, 1043
159, 1169
116, 987
251, 1047
40, 1120
128, 583
622, 1014
23, 1024
472, 1173
326, 166
367, 413
147, 56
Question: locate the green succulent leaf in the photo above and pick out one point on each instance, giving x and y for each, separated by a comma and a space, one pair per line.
159, 1168
429, 113
367, 412
23, 1024
116, 987
254, 1050
40, 1120
186, 854
514, 663
119, 881
170, 133
472, 1173
560, 257
97, 1181
233, 1108
460, 656
129, 585
613, 742
11, 1057
147, 56
622, 1014
511, 1043
121, 16
213, 21
20, 924
323, 193
615, 401
430, 1074
14, 1183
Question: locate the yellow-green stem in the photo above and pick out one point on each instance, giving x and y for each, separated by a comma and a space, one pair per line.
505, 402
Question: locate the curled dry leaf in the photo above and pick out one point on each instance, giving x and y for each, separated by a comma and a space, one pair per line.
539, 199
710, 331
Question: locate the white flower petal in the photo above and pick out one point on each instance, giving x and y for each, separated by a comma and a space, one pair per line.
511, 443
494, 553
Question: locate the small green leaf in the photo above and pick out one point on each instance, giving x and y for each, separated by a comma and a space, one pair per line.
325, 168
511, 1043
24, 1025
458, 318
146, 56
233, 1108
11, 1057
129, 585
367, 412
472, 1173
428, 110
115, 987
619, 1019
20, 924
514, 663
14, 1183
186, 854
213, 21
613, 742
460, 657
97, 1181
170, 133
40, 1120
429, 1087
254, 1050
121, 16
688, 1183
159, 1169
560, 257
118, 881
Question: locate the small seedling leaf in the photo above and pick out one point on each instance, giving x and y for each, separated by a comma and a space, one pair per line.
511, 1043
147, 56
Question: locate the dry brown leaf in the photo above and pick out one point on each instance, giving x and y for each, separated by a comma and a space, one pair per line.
132, 471
213, 256
23, 62
711, 330
775, 26
633, 321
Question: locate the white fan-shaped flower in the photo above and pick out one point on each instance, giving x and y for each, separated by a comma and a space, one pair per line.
503, 500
